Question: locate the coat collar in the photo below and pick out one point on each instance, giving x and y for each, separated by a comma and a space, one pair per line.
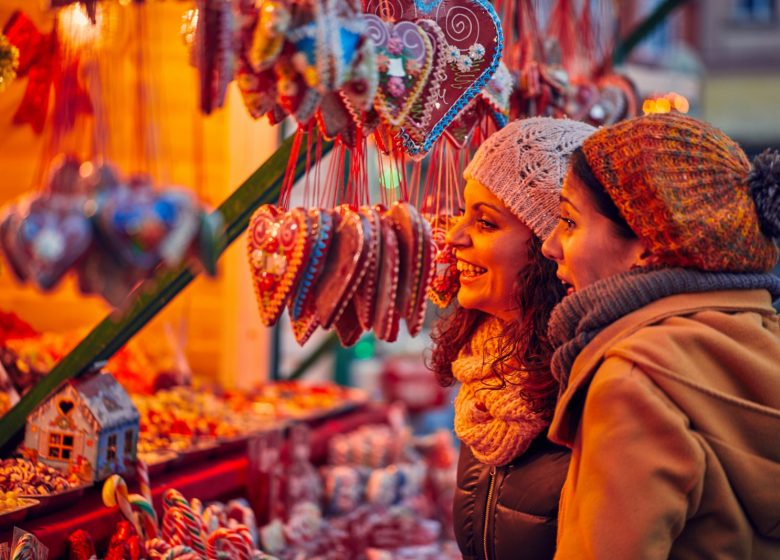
568, 410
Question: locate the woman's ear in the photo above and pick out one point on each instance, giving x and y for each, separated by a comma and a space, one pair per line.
643, 258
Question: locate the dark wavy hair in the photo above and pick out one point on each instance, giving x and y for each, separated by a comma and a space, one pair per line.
603, 202
523, 343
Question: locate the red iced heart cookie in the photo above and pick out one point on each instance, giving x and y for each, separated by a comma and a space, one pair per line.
344, 267
278, 247
365, 296
387, 314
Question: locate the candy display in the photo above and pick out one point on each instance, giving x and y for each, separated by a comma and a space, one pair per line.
111, 232
185, 529
375, 502
335, 279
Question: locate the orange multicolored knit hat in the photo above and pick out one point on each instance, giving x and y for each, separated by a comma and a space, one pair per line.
682, 186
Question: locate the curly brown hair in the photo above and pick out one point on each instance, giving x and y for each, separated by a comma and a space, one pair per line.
524, 341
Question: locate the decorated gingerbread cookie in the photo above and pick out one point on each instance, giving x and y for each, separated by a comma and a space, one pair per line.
279, 245
344, 266
365, 295
387, 314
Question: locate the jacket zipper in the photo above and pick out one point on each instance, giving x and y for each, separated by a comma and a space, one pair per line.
491, 487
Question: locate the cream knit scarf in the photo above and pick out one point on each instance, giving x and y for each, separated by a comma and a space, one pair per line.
497, 424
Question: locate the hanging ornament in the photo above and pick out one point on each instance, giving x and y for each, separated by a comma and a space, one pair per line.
213, 51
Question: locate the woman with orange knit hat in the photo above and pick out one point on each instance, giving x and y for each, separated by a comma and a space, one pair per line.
494, 342
668, 348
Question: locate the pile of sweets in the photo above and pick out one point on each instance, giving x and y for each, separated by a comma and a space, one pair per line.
184, 418
292, 399
28, 478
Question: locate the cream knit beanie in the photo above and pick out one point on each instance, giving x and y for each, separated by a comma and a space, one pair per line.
524, 163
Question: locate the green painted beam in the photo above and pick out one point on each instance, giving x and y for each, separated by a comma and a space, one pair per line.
262, 187
643, 29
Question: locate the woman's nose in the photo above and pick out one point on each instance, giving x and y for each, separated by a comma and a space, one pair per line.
551, 248
456, 235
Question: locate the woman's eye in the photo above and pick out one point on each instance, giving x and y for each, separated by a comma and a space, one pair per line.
486, 224
569, 223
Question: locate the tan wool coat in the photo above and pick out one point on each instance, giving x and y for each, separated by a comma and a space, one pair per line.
673, 417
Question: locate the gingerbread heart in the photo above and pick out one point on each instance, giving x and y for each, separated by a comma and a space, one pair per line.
387, 315
365, 295
347, 326
145, 226
474, 42
332, 115
53, 235
415, 315
305, 326
344, 267
404, 61
460, 130
360, 83
278, 246
419, 116
322, 234
9, 241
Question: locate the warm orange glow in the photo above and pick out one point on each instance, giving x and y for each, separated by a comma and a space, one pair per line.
665, 103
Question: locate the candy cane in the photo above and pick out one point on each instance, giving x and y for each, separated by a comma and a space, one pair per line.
25, 548
142, 473
172, 499
235, 542
181, 552
145, 511
157, 548
115, 494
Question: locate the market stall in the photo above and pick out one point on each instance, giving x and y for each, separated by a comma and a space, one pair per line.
167, 449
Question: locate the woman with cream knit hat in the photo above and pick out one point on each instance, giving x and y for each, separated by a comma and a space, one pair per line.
494, 342
668, 348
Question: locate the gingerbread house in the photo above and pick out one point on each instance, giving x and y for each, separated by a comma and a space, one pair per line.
90, 426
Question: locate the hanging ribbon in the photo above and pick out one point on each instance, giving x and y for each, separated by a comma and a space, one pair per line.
40, 61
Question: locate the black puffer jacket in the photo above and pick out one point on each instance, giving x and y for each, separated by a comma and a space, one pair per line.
519, 501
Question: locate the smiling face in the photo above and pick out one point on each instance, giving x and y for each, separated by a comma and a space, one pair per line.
585, 244
491, 244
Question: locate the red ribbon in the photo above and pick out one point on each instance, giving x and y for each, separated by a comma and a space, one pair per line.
40, 61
